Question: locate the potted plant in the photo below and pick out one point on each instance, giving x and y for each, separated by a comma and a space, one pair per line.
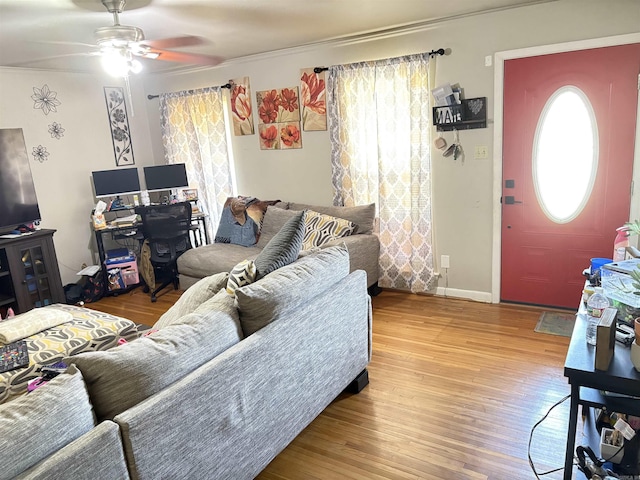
627, 288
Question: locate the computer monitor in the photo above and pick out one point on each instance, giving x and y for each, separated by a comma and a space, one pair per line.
165, 177
121, 181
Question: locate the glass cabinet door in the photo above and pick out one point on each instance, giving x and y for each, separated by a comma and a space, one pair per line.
36, 277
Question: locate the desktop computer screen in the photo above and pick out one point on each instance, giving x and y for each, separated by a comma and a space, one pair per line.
121, 181
165, 177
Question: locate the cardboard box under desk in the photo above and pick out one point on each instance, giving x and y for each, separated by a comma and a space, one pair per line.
605, 339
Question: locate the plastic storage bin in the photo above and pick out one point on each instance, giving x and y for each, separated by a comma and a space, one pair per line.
618, 285
128, 271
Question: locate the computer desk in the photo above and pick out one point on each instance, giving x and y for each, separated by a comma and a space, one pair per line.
199, 220
198, 231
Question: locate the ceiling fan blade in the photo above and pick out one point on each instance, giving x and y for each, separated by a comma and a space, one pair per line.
53, 57
62, 42
175, 42
183, 57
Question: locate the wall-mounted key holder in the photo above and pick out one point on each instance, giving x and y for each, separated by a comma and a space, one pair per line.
471, 113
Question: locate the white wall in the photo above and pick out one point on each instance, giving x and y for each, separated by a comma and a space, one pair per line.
63, 182
463, 202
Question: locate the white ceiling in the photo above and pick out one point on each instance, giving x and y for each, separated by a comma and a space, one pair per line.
55, 34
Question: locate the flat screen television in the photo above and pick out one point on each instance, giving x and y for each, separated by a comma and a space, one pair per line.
165, 177
18, 201
120, 181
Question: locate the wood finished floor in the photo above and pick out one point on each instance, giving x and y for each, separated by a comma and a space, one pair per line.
455, 387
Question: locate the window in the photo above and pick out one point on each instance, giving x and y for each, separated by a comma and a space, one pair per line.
565, 154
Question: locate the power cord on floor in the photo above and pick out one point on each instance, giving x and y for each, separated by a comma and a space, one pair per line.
533, 468
582, 462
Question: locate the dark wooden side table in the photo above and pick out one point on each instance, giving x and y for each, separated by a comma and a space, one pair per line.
587, 385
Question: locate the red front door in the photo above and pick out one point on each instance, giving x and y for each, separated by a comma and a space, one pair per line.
543, 255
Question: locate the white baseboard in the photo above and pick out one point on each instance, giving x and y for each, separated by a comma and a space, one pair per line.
484, 297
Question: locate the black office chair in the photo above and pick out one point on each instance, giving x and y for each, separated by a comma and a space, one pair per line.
166, 229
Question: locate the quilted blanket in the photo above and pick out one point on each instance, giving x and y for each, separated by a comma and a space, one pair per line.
88, 330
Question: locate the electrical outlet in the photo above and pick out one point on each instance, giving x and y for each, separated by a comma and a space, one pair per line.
444, 261
481, 151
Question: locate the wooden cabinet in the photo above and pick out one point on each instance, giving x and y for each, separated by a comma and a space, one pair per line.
29, 274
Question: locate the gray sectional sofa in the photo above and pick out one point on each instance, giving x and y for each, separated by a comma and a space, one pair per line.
363, 245
203, 396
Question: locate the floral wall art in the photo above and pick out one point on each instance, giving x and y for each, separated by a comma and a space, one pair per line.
119, 124
313, 99
279, 119
241, 108
46, 100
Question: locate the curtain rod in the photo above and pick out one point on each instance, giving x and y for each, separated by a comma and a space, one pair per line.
432, 53
226, 85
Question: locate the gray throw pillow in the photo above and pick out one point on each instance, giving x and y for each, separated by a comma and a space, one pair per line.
122, 377
287, 289
36, 425
362, 215
274, 219
192, 298
283, 248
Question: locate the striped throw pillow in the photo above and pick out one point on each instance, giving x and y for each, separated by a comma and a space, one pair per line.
321, 229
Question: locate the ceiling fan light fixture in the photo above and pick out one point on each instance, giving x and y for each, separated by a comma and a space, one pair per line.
118, 62
135, 66
115, 35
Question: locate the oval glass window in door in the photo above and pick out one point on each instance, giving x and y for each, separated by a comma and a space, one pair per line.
565, 154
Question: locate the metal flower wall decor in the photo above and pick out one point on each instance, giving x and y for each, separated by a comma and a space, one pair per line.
40, 153
119, 124
45, 99
56, 130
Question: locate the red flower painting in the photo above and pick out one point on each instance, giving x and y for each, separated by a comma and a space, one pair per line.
313, 90
290, 136
241, 109
289, 99
280, 109
312, 97
268, 137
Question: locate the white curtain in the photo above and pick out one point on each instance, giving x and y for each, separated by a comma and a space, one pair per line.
379, 123
194, 133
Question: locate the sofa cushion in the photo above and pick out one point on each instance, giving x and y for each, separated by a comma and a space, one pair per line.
37, 425
32, 322
193, 297
321, 229
362, 215
120, 378
243, 273
274, 220
283, 248
289, 287
214, 258
97, 454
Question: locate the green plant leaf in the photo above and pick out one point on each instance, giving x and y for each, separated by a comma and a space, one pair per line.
634, 227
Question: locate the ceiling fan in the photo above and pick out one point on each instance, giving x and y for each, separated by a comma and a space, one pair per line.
119, 45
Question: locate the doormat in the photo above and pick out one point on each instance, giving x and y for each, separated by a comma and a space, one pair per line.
556, 323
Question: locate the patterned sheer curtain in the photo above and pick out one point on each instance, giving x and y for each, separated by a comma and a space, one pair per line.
194, 133
379, 122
